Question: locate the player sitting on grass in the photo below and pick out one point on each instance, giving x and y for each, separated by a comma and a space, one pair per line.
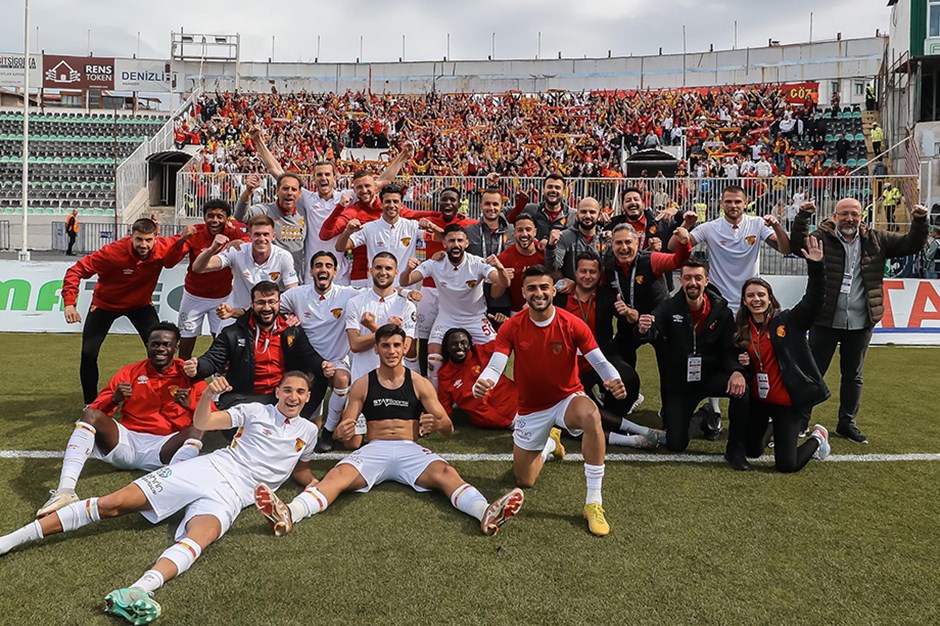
156, 399
272, 444
399, 406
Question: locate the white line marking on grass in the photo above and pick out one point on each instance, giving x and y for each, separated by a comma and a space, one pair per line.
574, 457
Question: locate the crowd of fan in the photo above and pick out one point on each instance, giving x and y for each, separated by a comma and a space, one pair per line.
730, 132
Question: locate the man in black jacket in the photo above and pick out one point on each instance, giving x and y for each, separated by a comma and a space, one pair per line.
694, 331
257, 350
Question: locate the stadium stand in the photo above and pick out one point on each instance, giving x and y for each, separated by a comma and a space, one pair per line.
72, 159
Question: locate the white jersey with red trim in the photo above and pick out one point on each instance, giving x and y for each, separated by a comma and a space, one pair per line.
322, 316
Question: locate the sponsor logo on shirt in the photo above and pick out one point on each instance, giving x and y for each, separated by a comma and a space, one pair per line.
241, 343
336, 312
142, 380
677, 318
128, 271
387, 402
152, 482
266, 432
166, 472
458, 383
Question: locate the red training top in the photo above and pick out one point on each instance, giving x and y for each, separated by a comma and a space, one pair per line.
586, 311
497, 409
512, 258
546, 369
125, 281
152, 407
269, 357
212, 285
763, 359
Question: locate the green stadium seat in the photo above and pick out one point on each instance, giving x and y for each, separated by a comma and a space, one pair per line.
830, 137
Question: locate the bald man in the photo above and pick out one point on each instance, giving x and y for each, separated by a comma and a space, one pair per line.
854, 257
563, 247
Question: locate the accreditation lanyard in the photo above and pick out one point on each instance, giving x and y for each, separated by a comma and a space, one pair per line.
632, 285
585, 312
763, 378
693, 367
851, 260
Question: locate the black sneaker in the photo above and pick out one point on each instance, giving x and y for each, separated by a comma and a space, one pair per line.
325, 441
711, 425
851, 432
738, 463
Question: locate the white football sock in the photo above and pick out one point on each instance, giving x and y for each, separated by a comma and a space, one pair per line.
309, 502
81, 443
150, 581
413, 364
27, 534
467, 499
78, 514
631, 441
336, 405
626, 426
549, 448
714, 404
594, 474
189, 450
183, 554
435, 361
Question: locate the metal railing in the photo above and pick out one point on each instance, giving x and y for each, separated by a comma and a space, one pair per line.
779, 195
92, 236
132, 172
5, 242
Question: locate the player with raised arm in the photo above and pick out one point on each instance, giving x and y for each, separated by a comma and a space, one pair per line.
156, 399
398, 406
320, 306
273, 444
546, 341
459, 279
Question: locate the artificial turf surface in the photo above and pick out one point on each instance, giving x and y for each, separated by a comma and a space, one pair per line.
838, 543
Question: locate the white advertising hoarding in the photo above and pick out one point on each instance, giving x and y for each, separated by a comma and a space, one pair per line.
147, 75
11, 71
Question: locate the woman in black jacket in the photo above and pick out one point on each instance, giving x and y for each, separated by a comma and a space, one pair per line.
782, 374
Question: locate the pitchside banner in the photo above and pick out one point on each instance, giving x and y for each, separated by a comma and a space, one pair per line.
147, 75
68, 72
30, 302
11, 71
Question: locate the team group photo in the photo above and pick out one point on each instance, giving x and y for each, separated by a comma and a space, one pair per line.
633, 338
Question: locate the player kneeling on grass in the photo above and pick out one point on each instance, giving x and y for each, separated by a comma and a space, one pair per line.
272, 444
390, 398
156, 399
784, 378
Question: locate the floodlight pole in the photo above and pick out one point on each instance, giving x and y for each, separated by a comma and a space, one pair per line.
24, 252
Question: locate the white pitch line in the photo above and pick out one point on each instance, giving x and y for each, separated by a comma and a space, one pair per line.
574, 457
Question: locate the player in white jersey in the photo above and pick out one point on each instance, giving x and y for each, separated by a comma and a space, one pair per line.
461, 303
373, 308
320, 307
734, 249
250, 264
392, 233
398, 406
273, 443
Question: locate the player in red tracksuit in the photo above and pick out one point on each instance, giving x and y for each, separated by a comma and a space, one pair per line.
203, 293
463, 364
127, 271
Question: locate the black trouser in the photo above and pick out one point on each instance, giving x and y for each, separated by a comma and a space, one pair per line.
631, 380
682, 399
72, 236
626, 346
853, 346
787, 423
97, 325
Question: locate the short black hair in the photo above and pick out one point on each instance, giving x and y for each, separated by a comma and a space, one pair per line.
164, 325
217, 203
385, 255
695, 263
446, 339
264, 287
322, 253
554, 176
452, 189
587, 255
536, 270
523, 217
734, 189
492, 190
629, 189
454, 228
145, 226
392, 188
295, 374
389, 330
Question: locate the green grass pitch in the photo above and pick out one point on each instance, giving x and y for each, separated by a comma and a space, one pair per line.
839, 543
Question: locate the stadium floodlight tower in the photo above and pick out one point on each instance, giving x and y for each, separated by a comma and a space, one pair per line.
206, 48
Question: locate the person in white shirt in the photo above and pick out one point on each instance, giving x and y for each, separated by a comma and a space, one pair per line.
373, 308
393, 233
273, 444
320, 307
250, 264
734, 248
461, 304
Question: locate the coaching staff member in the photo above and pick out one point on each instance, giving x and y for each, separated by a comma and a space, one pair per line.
127, 271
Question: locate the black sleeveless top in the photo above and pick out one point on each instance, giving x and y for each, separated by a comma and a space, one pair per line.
391, 404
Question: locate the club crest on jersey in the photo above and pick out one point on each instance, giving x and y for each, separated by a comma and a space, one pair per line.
639, 279
750, 239
471, 284
299, 444
476, 370
652, 230
556, 347
406, 241
781, 331
712, 325
275, 276
336, 312
290, 340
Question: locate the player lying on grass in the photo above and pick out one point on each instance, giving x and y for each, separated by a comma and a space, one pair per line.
156, 399
272, 444
390, 398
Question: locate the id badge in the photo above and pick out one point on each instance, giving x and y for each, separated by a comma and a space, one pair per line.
360, 428
693, 369
846, 284
763, 385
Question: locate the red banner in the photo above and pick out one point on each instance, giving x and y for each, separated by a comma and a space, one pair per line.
62, 72
799, 92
